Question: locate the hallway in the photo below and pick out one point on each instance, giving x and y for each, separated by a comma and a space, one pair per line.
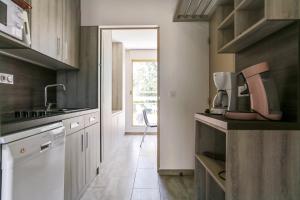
131, 174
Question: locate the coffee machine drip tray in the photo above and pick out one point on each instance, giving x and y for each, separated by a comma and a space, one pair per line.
218, 111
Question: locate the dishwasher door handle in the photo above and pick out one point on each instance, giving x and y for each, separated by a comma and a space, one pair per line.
46, 146
74, 125
92, 119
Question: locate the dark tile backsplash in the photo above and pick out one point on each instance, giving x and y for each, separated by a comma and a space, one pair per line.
28, 89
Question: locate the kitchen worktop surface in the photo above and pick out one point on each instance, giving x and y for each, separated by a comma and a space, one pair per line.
11, 126
219, 121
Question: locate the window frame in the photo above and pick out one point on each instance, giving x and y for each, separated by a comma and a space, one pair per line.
131, 89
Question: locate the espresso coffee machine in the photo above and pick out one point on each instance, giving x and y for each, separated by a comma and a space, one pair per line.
263, 95
225, 99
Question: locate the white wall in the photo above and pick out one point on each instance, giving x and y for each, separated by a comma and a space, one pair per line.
134, 55
106, 93
184, 69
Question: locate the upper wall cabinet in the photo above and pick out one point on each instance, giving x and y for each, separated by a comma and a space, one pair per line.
55, 35
244, 22
71, 32
56, 29
47, 27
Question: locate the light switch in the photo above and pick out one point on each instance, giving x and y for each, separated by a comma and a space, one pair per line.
172, 93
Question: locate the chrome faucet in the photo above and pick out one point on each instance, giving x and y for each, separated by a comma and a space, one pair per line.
47, 104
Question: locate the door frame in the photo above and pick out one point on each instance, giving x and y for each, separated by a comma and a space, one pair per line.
143, 27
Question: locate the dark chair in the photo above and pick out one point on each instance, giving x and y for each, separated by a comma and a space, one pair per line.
147, 124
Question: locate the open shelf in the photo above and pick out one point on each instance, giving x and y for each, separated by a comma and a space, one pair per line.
250, 5
213, 167
226, 30
247, 19
228, 22
223, 125
252, 21
248, 14
237, 2
225, 10
253, 34
246, 156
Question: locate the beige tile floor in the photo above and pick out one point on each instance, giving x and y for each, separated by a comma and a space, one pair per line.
131, 174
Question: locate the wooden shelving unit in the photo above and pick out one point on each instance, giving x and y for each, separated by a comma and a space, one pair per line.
254, 159
213, 167
252, 20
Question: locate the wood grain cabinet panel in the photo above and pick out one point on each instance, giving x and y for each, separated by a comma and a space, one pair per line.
250, 164
55, 29
47, 27
74, 165
82, 158
253, 20
91, 136
71, 32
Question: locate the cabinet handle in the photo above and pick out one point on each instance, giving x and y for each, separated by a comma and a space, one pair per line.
87, 140
65, 51
74, 125
58, 45
92, 119
45, 147
81, 142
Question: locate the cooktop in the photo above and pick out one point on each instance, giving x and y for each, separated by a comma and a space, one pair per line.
25, 115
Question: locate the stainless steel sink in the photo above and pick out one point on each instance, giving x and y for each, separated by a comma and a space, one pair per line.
66, 110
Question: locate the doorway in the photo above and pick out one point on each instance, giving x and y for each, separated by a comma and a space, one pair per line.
128, 90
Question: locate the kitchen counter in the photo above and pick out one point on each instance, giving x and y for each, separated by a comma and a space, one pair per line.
220, 122
10, 128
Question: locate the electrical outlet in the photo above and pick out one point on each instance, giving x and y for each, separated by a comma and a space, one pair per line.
6, 78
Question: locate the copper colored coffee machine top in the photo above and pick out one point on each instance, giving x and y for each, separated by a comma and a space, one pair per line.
263, 95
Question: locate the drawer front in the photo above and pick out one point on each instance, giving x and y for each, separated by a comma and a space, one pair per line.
74, 124
91, 119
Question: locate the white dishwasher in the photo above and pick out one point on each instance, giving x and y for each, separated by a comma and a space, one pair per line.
33, 164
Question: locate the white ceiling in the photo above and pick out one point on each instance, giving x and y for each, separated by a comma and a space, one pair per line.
136, 39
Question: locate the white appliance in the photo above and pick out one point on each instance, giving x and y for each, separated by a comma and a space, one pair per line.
225, 99
11, 19
33, 164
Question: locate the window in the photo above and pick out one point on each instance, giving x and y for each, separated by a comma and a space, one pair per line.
144, 90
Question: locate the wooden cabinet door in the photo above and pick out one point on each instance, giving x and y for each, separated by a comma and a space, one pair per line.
68, 170
98, 144
46, 27
71, 32
91, 137
77, 164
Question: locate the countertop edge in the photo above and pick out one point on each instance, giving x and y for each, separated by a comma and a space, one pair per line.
228, 125
215, 123
11, 128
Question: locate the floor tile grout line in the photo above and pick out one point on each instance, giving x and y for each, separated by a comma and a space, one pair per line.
136, 168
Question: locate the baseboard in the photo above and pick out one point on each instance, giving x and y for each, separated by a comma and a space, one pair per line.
176, 172
140, 133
